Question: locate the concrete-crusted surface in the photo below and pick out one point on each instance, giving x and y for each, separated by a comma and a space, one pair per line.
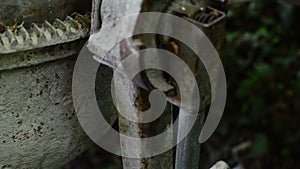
39, 128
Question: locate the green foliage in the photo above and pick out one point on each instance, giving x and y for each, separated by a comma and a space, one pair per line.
262, 62
260, 145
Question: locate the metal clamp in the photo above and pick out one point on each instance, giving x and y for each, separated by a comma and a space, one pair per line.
205, 16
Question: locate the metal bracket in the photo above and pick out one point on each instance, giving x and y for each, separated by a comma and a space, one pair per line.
203, 16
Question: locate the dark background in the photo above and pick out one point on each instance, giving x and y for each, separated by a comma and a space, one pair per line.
260, 128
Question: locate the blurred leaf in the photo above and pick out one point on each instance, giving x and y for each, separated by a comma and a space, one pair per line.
260, 145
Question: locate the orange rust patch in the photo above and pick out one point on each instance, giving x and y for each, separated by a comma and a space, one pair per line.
2, 27
31, 10
145, 163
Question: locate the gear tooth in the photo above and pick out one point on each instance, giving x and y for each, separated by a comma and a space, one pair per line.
10, 35
83, 20
72, 22
49, 27
5, 42
59, 24
1, 42
35, 33
36, 30
21, 39
24, 33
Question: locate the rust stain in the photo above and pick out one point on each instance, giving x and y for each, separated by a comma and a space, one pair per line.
2, 27
145, 163
64, 5
142, 104
31, 10
141, 101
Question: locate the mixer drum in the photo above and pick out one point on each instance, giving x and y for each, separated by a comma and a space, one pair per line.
39, 43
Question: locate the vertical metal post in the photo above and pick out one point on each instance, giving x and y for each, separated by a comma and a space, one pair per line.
110, 12
188, 150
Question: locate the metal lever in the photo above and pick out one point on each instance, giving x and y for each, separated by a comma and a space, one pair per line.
211, 20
